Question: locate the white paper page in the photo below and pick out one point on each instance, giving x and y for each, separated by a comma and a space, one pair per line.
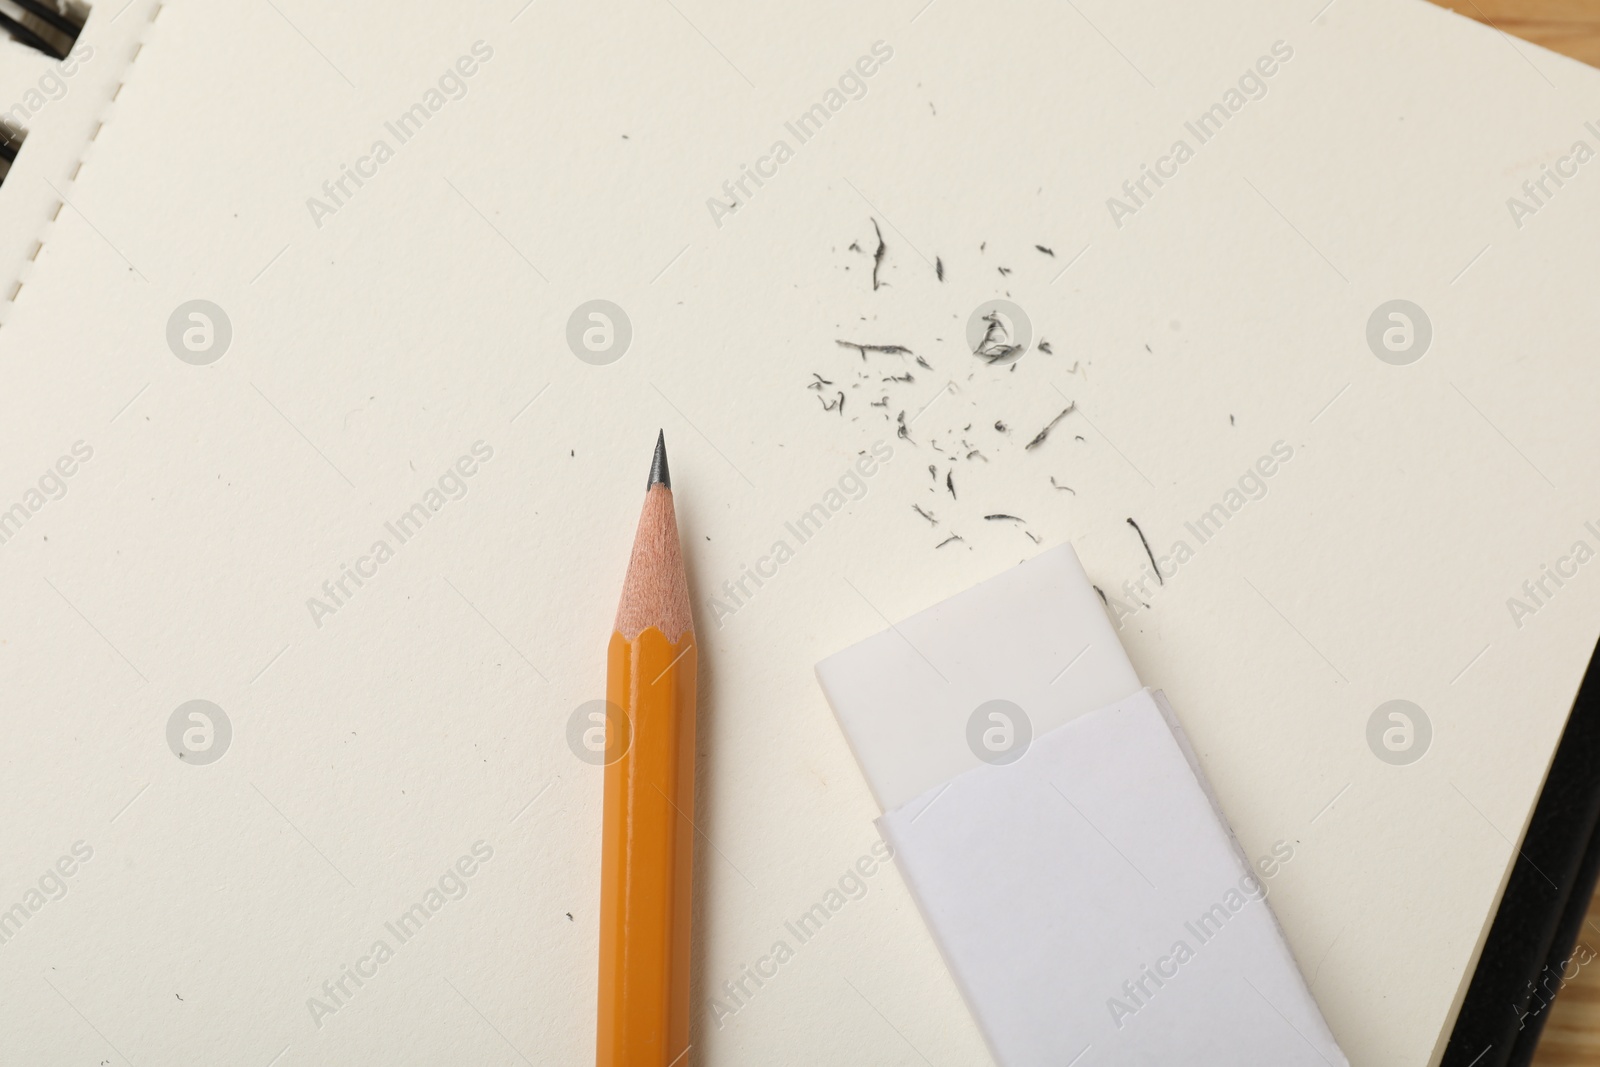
368, 355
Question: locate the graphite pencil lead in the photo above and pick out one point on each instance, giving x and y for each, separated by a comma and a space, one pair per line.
659, 474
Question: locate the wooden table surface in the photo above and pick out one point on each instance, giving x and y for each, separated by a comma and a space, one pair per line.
1571, 27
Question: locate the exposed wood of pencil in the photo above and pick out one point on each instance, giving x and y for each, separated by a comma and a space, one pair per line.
655, 593
648, 838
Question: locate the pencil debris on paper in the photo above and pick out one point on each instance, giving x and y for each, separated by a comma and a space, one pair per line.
877, 254
1039, 438
996, 348
893, 350
1157, 567
995, 339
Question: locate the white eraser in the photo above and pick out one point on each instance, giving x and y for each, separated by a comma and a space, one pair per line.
1035, 635
1080, 882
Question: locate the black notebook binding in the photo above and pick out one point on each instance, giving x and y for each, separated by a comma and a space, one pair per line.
50, 26
10, 143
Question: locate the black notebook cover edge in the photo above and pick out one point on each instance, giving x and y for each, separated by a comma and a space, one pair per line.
1533, 946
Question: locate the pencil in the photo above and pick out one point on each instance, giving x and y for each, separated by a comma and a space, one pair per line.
648, 838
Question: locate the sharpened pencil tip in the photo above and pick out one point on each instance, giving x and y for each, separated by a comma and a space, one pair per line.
659, 474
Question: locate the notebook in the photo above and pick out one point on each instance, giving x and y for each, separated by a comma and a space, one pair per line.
1183, 339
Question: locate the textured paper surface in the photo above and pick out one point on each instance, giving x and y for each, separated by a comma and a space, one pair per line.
430, 711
